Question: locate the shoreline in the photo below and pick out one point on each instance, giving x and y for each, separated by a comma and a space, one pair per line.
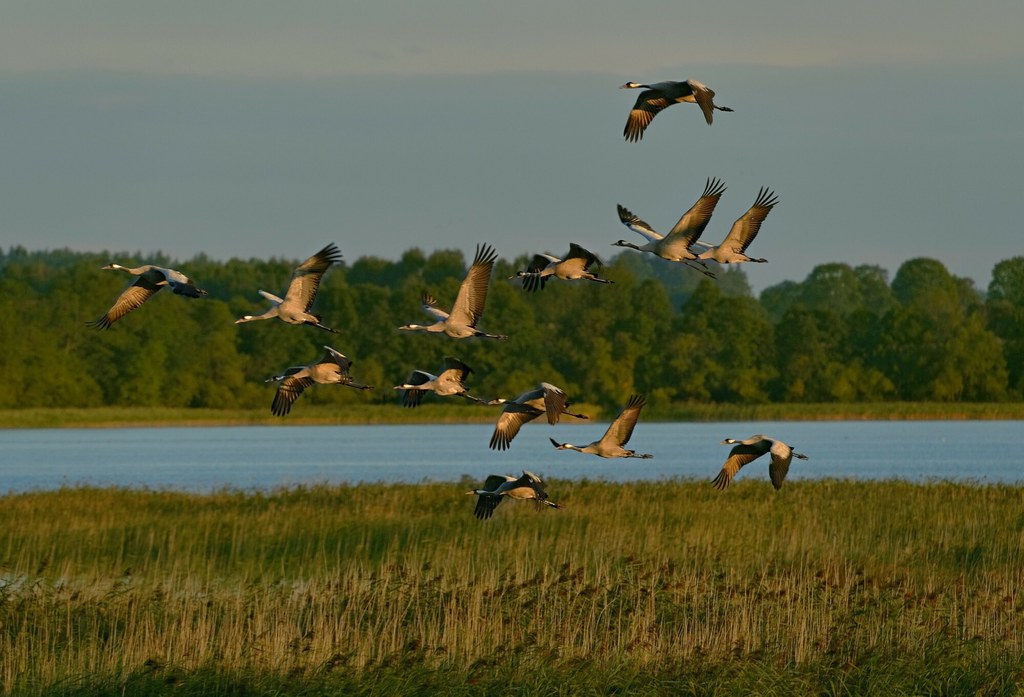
369, 415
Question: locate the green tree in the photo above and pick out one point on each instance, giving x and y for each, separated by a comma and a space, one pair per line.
1005, 313
724, 350
935, 348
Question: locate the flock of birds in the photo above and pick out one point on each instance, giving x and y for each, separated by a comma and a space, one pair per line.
682, 244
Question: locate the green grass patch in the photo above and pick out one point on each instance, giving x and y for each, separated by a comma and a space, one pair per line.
827, 587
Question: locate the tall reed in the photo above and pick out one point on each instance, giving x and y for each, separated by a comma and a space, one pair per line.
818, 584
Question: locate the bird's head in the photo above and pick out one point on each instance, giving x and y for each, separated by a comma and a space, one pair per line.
246, 318
624, 243
631, 86
729, 441
111, 267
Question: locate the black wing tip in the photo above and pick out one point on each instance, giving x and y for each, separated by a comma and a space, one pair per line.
633, 133
625, 215
636, 400
766, 198
412, 398
485, 254
499, 442
714, 187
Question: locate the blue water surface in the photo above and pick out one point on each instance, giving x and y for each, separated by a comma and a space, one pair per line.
266, 457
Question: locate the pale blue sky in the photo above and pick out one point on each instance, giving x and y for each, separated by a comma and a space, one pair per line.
267, 128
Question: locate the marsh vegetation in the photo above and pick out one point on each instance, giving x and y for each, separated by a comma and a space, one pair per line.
828, 587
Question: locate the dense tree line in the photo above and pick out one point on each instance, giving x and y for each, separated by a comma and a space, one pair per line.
843, 334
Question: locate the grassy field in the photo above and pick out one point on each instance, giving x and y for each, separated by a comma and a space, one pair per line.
827, 587
458, 412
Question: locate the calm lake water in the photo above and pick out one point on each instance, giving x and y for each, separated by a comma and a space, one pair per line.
264, 457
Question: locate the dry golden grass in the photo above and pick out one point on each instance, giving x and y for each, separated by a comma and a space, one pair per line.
829, 586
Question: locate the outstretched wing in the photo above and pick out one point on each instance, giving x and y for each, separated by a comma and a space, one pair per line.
621, 429
472, 297
649, 104
512, 418
745, 229
693, 222
485, 505
533, 281
539, 263
740, 455
430, 306
452, 369
130, 299
412, 397
288, 391
306, 277
586, 256
637, 225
